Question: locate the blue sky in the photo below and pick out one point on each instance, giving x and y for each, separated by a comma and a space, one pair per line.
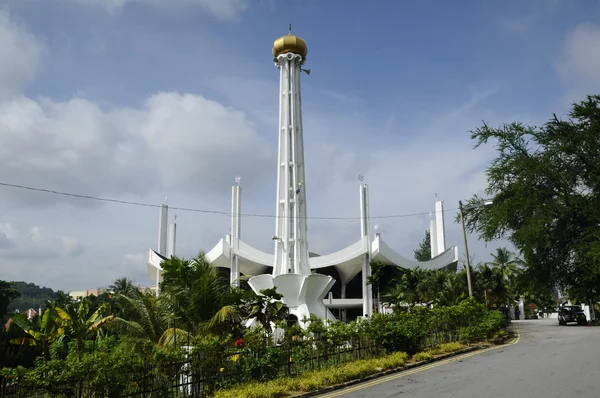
142, 99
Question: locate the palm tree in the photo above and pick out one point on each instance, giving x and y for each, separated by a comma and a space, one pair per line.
193, 290
146, 317
453, 291
506, 261
508, 265
123, 286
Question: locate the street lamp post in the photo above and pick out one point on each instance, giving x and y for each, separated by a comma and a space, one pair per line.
464, 231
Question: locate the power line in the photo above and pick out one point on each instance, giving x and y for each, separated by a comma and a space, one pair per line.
194, 210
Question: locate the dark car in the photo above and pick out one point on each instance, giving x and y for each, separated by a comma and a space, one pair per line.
571, 313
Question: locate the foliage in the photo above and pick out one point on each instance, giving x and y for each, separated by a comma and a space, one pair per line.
545, 185
315, 380
423, 252
114, 369
144, 316
106, 363
193, 290
8, 293
422, 356
30, 296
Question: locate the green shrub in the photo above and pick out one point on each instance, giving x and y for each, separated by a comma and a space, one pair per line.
450, 347
314, 380
422, 356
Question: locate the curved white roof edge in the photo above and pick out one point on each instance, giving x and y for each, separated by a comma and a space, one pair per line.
347, 262
251, 261
340, 257
382, 252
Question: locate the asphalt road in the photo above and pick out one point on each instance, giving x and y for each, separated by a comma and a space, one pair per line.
548, 361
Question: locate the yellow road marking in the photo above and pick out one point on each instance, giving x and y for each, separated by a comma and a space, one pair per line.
419, 369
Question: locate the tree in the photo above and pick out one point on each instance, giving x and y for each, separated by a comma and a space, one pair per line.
193, 290
507, 262
377, 268
423, 252
146, 317
8, 293
43, 329
123, 286
79, 324
545, 185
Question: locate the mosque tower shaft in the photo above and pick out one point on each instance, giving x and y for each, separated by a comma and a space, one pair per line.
291, 246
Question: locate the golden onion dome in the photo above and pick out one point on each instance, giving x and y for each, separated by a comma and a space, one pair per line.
290, 44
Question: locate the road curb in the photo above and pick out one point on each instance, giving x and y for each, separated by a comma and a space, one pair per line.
411, 365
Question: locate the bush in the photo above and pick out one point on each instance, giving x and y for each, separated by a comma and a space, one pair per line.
450, 347
314, 380
422, 356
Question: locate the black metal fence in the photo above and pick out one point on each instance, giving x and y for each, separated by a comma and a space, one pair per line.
187, 379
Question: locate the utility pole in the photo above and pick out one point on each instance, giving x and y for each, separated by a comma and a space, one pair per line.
467, 260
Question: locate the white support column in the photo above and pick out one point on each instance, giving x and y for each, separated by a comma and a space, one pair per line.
439, 227
433, 238
163, 220
236, 192
367, 289
172, 240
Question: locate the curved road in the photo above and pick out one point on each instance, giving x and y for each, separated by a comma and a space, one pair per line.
548, 361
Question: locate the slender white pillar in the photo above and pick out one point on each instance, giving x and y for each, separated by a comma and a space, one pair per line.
440, 230
162, 229
433, 238
291, 246
172, 240
236, 192
367, 289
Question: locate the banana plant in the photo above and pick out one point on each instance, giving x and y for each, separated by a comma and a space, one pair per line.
77, 324
42, 330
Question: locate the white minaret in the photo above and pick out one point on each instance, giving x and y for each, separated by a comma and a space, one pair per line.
303, 292
291, 246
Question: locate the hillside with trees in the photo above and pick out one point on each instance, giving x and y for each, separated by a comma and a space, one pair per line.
30, 296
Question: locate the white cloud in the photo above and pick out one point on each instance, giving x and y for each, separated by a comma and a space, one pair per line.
21, 53
581, 55
187, 141
223, 9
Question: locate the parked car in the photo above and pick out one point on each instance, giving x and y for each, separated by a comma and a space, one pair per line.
571, 313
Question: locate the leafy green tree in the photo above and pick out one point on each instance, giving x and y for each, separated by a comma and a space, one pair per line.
8, 293
123, 286
30, 296
193, 290
148, 318
79, 324
41, 330
423, 252
507, 262
545, 185
377, 272
267, 308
